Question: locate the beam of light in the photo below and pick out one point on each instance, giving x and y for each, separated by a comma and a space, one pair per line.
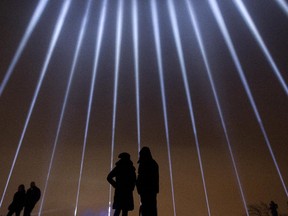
116, 72
52, 45
211, 80
177, 38
92, 86
163, 94
72, 72
247, 18
216, 11
33, 22
79, 43
284, 6
136, 66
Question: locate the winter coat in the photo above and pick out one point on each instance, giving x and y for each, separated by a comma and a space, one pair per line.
124, 184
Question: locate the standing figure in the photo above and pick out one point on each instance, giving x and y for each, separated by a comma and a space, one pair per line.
123, 179
273, 208
147, 182
18, 201
32, 196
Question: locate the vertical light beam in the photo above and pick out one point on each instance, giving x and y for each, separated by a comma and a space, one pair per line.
136, 66
177, 38
33, 22
116, 72
211, 80
52, 45
247, 18
155, 22
216, 11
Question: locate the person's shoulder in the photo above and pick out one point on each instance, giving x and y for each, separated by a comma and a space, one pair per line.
155, 163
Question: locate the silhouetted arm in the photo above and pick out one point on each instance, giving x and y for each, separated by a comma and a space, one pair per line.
110, 178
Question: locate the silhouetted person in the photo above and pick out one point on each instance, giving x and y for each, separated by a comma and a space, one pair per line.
273, 208
123, 179
18, 201
147, 182
32, 196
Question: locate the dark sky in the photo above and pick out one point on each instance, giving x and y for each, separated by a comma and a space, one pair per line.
257, 173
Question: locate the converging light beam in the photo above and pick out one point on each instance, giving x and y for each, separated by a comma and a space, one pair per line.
246, 16
177, 38
136, 66
33, 22
92, 85
117, 63
52, 45
284, 6
211, 80
163, 94
216, 11
79, 43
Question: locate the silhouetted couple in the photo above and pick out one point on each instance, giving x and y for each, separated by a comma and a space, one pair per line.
123, 179
23, 199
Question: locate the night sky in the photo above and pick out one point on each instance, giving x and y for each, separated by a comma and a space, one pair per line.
26, 151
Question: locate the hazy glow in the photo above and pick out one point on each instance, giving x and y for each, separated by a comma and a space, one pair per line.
136, 65
211, 80
33, 22
221, 23
176, 34
243, 11
117, 63
163, 94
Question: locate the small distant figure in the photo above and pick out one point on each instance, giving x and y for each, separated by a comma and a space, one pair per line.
32, 196
18, 201
123, 179
147, 183
273, 208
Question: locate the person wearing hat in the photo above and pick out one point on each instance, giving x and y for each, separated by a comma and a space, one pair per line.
123, 179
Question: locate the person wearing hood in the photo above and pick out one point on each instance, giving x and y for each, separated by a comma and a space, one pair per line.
123, 179
147, 182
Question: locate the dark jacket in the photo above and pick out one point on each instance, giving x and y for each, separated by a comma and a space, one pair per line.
32, 196
124, 184
148, 177
18, 201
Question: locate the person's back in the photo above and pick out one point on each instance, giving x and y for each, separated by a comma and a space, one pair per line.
148, 177
124, 183
18, 201
32, 196
148, 182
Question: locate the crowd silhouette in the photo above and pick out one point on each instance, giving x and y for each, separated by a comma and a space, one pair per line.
23, 199
123, 179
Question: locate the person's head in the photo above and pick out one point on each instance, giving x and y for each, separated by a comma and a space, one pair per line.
145, 154
21, 187
32, 184
124, 156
